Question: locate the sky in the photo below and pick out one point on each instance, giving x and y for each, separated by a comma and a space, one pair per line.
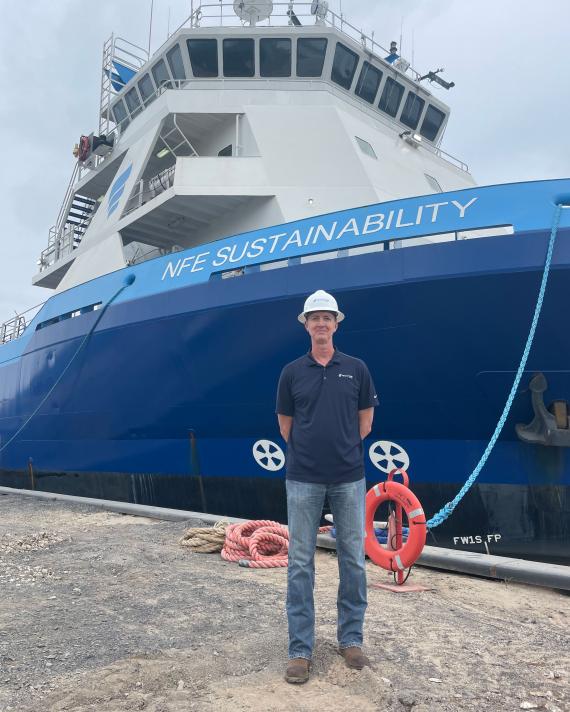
510, 107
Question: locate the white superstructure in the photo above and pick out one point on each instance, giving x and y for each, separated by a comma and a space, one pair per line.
230, 128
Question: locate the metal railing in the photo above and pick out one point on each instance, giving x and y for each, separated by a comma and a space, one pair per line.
59, 245
141, 255
146, 190
284, 13
12, 329
15, 327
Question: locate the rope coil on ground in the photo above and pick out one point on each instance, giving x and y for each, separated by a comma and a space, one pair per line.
205, 540
259, 544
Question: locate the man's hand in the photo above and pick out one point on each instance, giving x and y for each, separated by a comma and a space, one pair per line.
365, 421
285, 423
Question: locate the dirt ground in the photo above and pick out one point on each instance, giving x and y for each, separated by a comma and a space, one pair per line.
105, 612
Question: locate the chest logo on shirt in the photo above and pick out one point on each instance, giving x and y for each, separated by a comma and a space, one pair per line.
344, 375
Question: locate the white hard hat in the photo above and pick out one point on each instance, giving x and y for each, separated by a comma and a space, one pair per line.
320, 301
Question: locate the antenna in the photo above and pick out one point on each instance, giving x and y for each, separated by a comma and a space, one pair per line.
432, 76
150, 27
253, 11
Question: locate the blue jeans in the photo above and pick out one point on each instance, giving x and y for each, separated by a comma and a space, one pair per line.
305, 505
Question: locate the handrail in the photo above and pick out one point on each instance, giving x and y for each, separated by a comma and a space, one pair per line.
152, 187
14, 328
217, 12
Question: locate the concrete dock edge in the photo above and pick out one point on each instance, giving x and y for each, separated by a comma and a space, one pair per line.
494, 567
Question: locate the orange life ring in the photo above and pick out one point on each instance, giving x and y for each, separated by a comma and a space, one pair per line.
404, 557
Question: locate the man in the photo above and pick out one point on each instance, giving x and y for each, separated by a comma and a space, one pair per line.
325, 406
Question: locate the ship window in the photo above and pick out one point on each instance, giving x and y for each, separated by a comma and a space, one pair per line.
69, 315
133, 102
365, 147
344, 65
227, 151
368, 82
160, 74
174, 58
311, 56
391, 97
203, 57
120, 114
238, 58
275, 57
146, 89
432, 122
433, 183
412, 110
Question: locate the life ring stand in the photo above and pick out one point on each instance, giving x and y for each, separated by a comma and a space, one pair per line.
405, 555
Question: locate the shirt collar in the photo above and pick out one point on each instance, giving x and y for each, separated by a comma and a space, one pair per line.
311, 361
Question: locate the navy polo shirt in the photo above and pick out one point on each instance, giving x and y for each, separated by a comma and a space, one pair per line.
324, 445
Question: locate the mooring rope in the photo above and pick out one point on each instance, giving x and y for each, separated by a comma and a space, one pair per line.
258, 544
448, 508
205, 540
128, 281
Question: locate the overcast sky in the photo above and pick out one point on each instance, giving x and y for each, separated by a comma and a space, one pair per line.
510, 60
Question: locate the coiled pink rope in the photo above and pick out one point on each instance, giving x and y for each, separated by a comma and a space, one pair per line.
258, 544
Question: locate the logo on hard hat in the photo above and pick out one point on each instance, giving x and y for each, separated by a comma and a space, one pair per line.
320, 301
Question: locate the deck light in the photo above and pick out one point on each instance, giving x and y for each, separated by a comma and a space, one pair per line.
413, 139
163, 152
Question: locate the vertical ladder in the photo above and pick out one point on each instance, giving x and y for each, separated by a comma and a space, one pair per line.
105, 117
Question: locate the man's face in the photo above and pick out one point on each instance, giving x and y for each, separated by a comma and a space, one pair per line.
321, 325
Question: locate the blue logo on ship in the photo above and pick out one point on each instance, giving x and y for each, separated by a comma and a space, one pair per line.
117, 190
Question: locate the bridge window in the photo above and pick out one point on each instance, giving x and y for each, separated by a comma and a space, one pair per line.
311, 53
368, 82
120, 114
239, 58
412, 110
227, 151
160, 74
203, 57
174, 58
344, 66
146, 89
432, 122
133, 102
275, 57
391, 97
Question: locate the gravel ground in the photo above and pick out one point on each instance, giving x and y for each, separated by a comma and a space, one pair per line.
107, 612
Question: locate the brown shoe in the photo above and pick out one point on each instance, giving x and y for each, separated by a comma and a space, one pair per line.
297, 671
354, 658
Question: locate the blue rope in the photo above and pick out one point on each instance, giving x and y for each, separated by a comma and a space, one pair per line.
129, 280
447, 510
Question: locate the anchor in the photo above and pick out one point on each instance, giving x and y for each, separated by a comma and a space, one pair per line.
546, 428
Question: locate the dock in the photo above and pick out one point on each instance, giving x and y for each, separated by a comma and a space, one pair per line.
106, 611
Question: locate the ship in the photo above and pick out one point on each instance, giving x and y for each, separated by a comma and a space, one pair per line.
264, 151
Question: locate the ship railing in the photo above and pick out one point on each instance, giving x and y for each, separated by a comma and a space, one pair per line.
147, 189
140, 255
60, 244
15, 327
285, 13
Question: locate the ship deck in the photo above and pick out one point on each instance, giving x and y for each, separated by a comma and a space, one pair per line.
107, 611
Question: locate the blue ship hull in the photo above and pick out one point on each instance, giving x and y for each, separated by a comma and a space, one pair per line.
166, 399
